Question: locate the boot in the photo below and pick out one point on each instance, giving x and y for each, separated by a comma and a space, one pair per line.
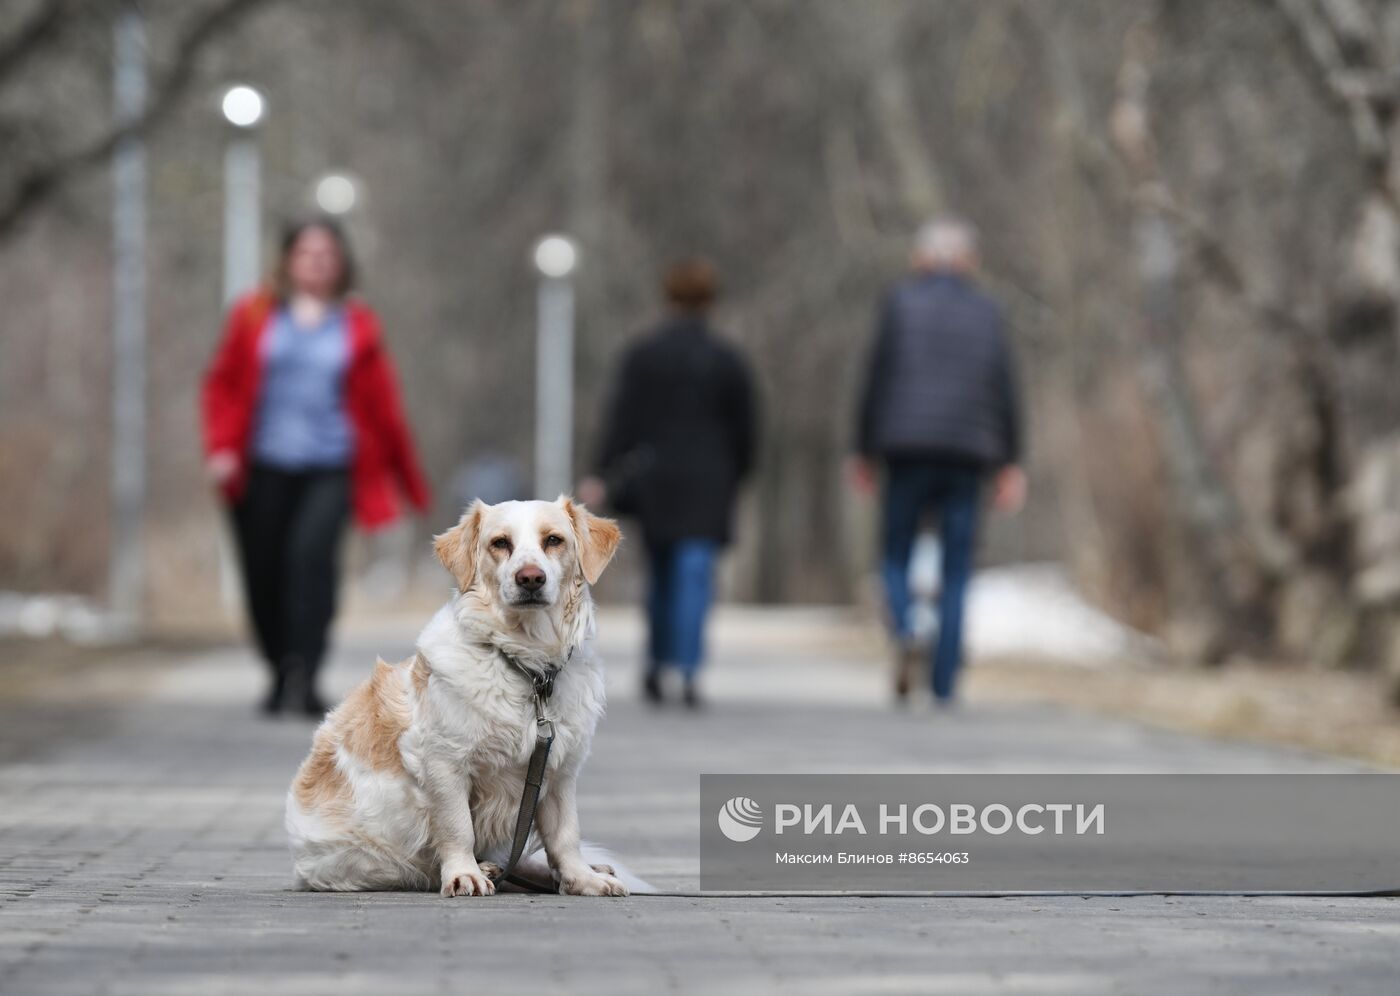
271, 704
906, 667
651, 685
313, 705
301, 688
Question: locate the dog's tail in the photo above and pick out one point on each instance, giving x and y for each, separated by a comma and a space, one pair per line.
596, 854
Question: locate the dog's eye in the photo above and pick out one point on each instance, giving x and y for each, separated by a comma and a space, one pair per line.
500, 543
553, 540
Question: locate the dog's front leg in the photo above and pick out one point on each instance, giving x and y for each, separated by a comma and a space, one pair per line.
558, 822
449, 792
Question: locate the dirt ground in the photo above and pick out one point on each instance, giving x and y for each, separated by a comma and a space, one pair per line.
1337, 712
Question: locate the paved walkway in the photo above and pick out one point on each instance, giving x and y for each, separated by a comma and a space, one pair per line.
141, 852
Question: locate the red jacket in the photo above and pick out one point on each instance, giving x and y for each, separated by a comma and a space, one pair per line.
384, 459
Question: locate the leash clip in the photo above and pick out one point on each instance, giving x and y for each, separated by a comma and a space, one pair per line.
544, 726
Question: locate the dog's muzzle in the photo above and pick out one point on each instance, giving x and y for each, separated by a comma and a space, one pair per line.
527, 600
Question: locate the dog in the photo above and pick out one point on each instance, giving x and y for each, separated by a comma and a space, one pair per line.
415, 781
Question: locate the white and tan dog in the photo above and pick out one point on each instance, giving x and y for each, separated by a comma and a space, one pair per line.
414, 782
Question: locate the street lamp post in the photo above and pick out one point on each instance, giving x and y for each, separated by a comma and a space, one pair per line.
555, 258
243, 109
126, 568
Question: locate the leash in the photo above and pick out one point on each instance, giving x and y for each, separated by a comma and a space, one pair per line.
543, 684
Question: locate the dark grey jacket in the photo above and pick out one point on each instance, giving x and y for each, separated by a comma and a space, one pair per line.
680, 432
941, 382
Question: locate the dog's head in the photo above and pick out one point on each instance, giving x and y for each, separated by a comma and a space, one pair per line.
523, 554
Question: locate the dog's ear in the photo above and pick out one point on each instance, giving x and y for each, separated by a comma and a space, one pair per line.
597, 538
456, 548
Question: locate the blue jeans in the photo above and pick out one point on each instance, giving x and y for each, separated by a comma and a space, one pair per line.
682, 586
951, 492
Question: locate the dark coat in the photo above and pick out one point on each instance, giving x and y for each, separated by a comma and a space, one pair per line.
680, 433
940, 382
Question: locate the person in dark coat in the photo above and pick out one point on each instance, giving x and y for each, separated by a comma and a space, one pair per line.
678, 440
940, 411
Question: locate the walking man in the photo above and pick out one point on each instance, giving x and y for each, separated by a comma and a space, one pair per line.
940, 412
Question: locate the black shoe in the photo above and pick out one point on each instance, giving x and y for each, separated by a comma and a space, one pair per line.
651, 688
271, 704
691, 696
301, 687
313, 705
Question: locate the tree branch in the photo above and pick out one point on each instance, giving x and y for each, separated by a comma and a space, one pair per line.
1203, 492
41, 28
42, 182
1326, 36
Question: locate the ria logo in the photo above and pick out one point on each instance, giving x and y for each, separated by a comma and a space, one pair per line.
740, 819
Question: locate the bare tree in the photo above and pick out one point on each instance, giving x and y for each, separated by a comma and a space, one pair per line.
40, 173
1196, 239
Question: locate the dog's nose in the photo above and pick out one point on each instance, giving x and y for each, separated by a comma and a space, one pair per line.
530, 578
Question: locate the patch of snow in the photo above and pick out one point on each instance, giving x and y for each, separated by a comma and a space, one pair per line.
1025, 610
1034, 610
46, 615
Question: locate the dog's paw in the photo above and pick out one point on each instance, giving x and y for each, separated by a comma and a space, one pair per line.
592, 883
605, 869
492, 870
468, 883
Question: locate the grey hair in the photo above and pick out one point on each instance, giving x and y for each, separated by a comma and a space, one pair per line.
946, 241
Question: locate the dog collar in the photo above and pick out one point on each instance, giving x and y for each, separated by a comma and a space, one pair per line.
541, 680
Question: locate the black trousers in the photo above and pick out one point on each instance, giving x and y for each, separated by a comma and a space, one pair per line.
289, 526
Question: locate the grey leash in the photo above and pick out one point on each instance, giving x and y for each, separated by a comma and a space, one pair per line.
543, 684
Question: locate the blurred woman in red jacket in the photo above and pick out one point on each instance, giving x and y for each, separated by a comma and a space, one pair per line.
302, 425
